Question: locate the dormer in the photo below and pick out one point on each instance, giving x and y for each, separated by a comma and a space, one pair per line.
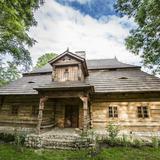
69, 67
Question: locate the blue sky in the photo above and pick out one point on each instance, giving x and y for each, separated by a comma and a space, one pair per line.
95, 8
90, 25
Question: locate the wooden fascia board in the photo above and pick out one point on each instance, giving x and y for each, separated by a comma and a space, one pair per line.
66, 53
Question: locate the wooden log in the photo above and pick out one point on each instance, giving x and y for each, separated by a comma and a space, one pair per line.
85, 112
40, 113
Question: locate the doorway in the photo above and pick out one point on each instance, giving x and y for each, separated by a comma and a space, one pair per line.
71, 116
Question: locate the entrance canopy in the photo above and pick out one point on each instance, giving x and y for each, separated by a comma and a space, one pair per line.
66, 90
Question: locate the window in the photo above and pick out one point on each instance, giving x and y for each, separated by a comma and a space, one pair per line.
113, 112
66, 75
14, 110
142, 112
34, 110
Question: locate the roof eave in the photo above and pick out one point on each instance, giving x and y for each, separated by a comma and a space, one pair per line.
65, 88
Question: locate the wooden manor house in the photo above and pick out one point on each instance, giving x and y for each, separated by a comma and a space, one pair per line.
72, 92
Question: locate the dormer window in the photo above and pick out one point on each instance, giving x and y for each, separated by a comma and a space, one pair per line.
66, 74
68, 67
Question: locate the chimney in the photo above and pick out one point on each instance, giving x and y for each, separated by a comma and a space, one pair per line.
81, 54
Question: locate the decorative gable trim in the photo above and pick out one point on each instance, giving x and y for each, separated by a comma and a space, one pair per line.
64, 54
78, 58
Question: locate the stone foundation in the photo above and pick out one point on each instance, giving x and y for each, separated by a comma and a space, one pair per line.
57, 139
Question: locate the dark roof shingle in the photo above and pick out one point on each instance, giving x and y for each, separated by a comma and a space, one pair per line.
92, 64
127, 79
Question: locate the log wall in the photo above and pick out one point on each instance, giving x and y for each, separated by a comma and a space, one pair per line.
127, 115
25, 115
53, 113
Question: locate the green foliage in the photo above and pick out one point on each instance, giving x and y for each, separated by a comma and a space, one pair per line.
6, 137
16, 18
8, 73
44, 59
144, 40
8, 152
113, 131
155, 142
137, 143
16, 138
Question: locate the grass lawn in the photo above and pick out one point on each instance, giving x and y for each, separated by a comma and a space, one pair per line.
9, 152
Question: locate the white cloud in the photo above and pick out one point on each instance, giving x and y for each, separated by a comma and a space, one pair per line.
60, 27
80, 1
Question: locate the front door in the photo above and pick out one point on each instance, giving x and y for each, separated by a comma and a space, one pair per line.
71, 116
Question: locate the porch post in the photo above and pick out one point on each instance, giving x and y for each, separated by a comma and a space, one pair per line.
85, 112
40, 113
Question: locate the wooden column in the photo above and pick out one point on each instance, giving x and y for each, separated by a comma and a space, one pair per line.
85, 112
40, 113
79, 72
53, 73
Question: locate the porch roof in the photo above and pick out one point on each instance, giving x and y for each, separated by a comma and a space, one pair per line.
65, 86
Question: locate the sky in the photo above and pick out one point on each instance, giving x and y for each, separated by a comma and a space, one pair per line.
82, 25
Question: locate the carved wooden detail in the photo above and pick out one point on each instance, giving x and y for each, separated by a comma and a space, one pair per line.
40, 113
85, 112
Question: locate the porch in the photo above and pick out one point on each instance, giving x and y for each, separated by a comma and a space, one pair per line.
70, 109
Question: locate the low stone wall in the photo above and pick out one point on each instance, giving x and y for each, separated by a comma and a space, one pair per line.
12, 130
57, 140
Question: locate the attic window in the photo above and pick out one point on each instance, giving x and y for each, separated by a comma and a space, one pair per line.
123, 78
31, 82
66, 75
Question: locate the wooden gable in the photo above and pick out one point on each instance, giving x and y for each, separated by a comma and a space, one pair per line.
66, 60
69, 67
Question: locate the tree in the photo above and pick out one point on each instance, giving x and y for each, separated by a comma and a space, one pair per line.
16, 18
44, 59
144, 40
8, 73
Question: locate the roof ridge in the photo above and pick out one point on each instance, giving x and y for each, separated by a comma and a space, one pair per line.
101, 59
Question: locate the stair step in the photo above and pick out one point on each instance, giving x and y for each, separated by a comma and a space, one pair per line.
47, 126
57, 139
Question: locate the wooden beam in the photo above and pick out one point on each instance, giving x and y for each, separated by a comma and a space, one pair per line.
40, 113
85, 112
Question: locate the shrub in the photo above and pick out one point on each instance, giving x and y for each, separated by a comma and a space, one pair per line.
137, 143
17, 138
7, 137
155, 142
113, 131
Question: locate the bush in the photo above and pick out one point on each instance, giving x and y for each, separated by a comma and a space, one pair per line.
19, 139
15, 138
6, 137
155, 142
113, 131
137, 143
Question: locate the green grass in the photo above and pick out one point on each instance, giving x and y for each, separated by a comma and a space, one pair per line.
9, 152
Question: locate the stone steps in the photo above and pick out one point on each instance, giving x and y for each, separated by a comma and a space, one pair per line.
56, 140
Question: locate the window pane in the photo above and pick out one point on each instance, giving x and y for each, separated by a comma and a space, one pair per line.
145, 112
110, 112
115, 112
140, 112
66, 74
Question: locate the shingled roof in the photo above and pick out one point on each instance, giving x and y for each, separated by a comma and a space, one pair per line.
92, 64
106, 75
